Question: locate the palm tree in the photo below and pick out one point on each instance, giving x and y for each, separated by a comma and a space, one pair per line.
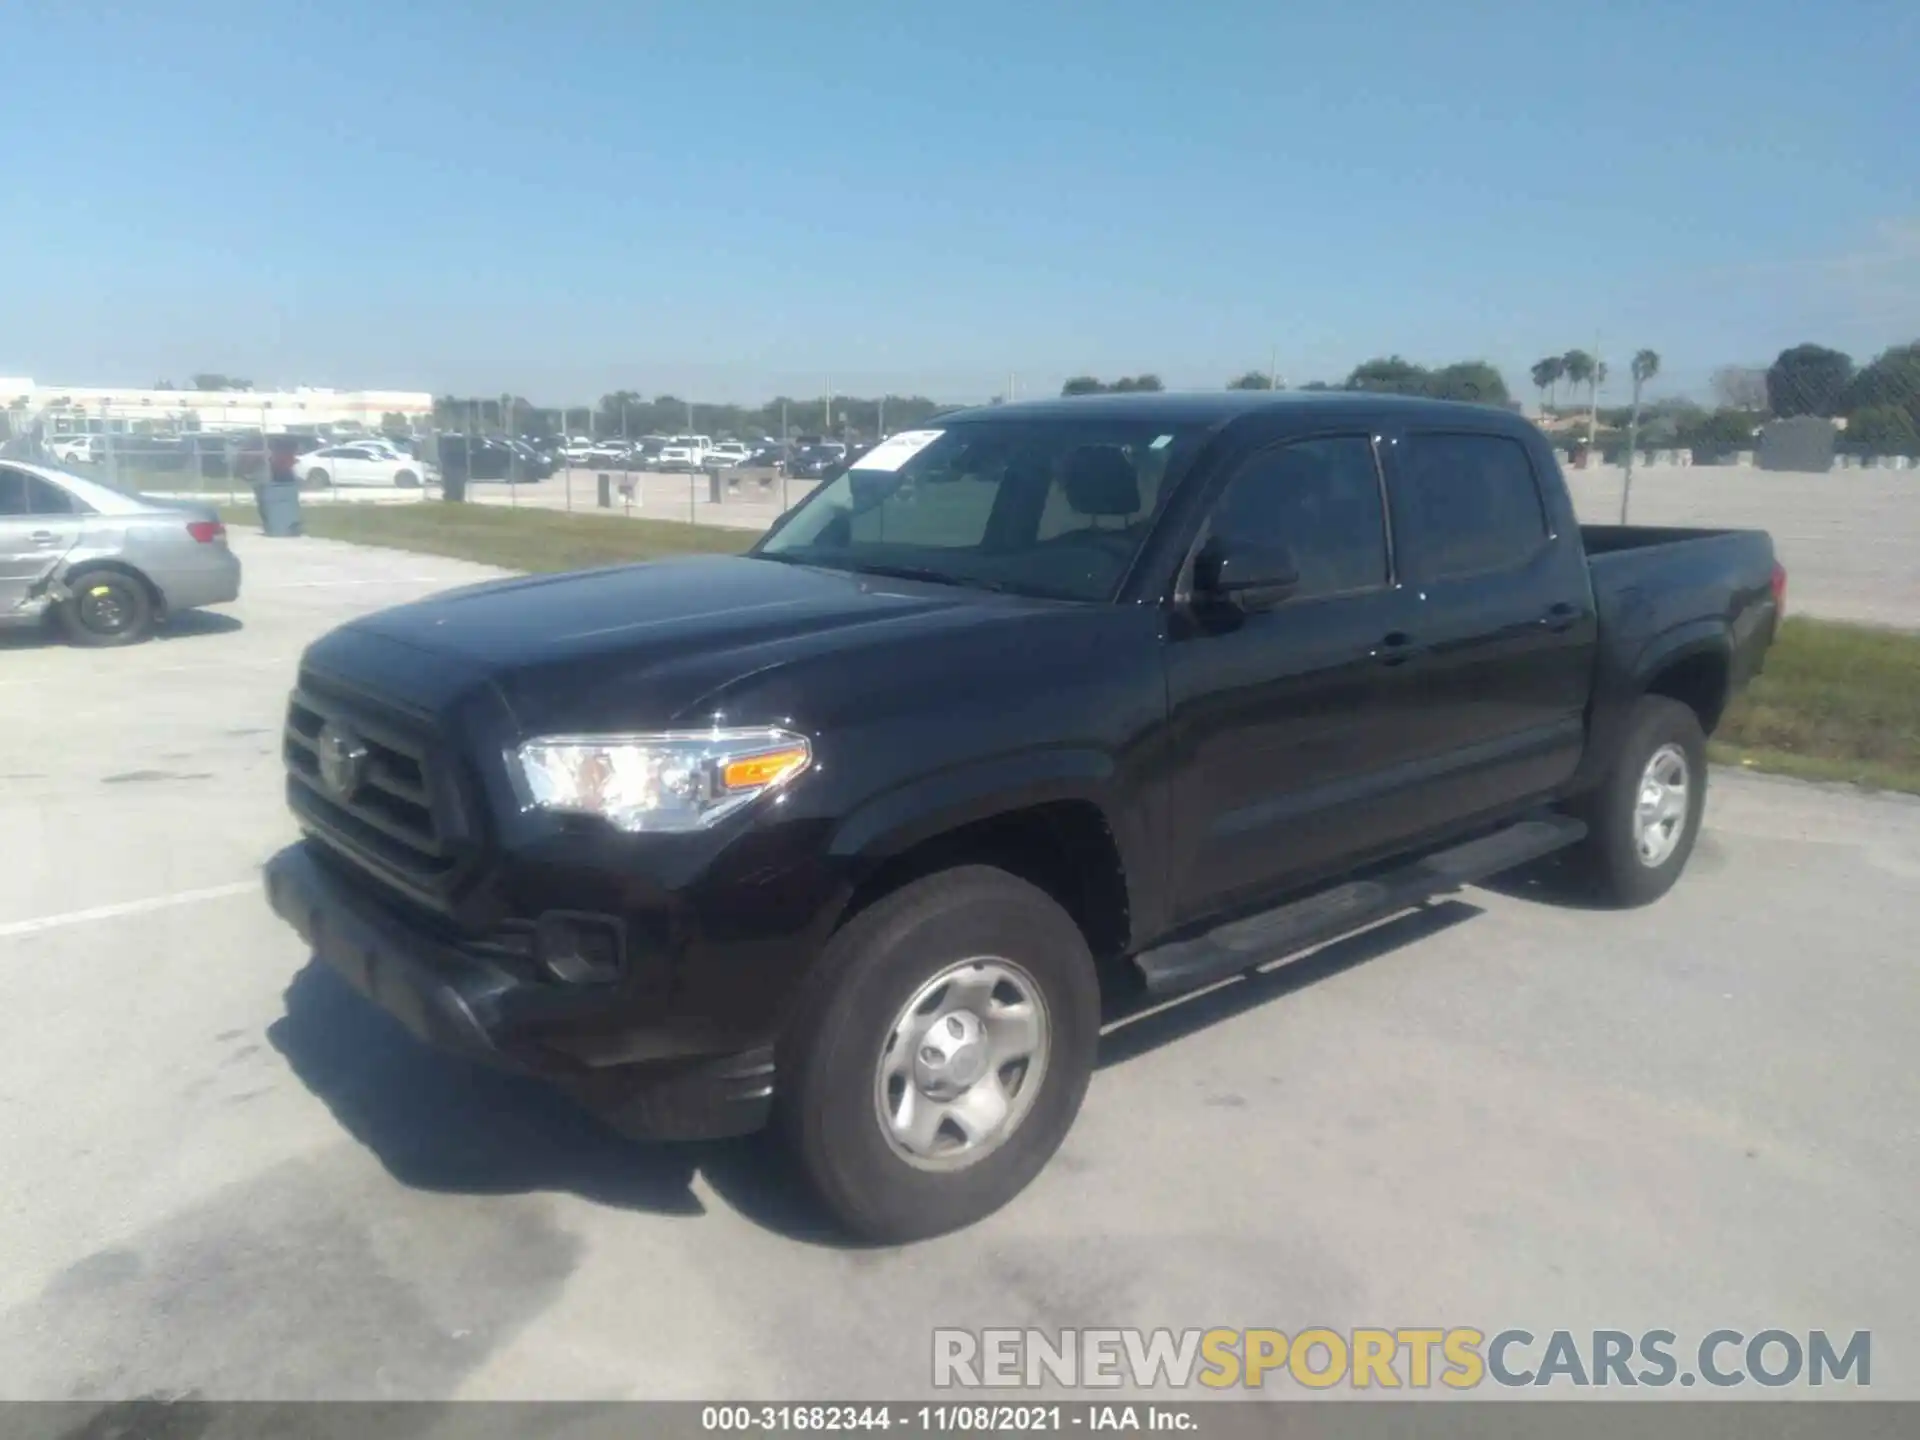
1577, 367
1646, 365
1546, 375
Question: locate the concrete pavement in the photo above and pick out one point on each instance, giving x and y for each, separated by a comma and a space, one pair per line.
225, 1173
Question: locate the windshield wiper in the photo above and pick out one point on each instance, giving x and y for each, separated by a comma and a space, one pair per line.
923, 572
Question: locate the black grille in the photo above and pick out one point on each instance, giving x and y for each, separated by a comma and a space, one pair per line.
402, 818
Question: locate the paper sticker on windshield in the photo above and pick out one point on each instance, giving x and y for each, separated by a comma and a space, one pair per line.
1161, 442
894, 451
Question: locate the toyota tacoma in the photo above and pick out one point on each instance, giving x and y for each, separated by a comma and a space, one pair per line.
1044, 708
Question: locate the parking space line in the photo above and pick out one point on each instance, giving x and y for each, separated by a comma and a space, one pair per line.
13, 929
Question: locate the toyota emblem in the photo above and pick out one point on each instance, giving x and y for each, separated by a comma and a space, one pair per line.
343, 760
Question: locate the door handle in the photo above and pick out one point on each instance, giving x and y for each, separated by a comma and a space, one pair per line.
1560, 618
1394, 649
43, 537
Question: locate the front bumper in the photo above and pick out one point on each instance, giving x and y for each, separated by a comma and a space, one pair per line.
459, 1002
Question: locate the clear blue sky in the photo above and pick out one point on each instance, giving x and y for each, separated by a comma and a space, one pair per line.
733, 199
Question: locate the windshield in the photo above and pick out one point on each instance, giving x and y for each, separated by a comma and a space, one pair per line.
1038, 507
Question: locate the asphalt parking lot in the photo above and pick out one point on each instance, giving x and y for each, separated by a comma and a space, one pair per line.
226, 1174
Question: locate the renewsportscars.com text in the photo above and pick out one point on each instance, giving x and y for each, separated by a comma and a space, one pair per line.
1461, 1358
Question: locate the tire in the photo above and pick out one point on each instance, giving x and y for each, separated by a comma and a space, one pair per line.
836, 1095
1625, 865
319, 478
406, 480
108, 607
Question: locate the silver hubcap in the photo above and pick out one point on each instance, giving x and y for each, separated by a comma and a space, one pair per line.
1660, 812
962, 1064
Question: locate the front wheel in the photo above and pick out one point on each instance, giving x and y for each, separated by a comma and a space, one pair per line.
1645, 817
407, 480
939, 1054
319, 478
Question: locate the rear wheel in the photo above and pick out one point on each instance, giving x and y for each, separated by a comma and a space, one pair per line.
407, 480
107, 607
940, 1053
1645, 817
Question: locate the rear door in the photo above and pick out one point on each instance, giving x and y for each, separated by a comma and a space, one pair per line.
39, 523
1290, 724
1501, 622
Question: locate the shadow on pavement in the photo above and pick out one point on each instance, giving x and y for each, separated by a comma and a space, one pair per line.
439, 1123
187, 625
1552, 880
190, 624
1140, 1028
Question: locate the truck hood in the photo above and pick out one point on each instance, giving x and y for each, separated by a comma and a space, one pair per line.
639, 645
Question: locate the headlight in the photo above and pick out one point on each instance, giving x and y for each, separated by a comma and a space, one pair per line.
678, 781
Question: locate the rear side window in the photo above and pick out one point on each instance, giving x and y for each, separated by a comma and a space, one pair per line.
13, 492
1470, 504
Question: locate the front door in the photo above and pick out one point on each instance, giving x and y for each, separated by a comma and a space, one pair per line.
1288, 722
38, 525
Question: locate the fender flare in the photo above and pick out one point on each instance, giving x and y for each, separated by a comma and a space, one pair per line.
1683, 642
894, 821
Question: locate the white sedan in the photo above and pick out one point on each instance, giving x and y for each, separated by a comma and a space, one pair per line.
362, 465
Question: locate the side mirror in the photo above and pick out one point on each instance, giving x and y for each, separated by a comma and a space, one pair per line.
1243, 575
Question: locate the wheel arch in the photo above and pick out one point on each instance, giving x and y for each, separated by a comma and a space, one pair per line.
63, 583
1045, 817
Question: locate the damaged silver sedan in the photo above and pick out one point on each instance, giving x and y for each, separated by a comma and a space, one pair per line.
104, 565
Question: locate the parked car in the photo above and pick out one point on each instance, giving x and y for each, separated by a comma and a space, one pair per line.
727, 454
577, 451
819, 462
77, 449
610, 453
363, 464
484, 457
528, 464
105, 566
679, 455
1053, 710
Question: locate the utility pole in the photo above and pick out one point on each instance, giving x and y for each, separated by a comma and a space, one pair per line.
1593, 407
880, 425
826, 393
1013, 387
1273, 368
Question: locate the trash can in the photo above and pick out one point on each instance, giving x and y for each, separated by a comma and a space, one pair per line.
279, 501
715, 485
605, 488
456, 467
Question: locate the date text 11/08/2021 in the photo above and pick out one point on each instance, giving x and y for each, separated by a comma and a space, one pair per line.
963, 1419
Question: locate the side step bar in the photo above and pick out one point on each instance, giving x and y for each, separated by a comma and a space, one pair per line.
1243, 945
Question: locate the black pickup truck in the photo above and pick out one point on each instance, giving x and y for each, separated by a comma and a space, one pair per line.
1052, 708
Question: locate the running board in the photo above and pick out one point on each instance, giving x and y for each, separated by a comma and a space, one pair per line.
1258, 940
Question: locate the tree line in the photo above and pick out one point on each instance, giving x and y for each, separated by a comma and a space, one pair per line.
1879, 401
630, 414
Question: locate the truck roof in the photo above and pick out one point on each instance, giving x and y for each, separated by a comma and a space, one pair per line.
1217, 406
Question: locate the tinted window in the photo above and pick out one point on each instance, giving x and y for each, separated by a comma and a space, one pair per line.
24, 494
1321, 499
1470, 503
45, 499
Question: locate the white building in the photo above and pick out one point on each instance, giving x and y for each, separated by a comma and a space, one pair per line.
113, 409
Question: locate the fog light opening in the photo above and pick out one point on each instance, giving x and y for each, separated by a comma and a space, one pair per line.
580, 949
